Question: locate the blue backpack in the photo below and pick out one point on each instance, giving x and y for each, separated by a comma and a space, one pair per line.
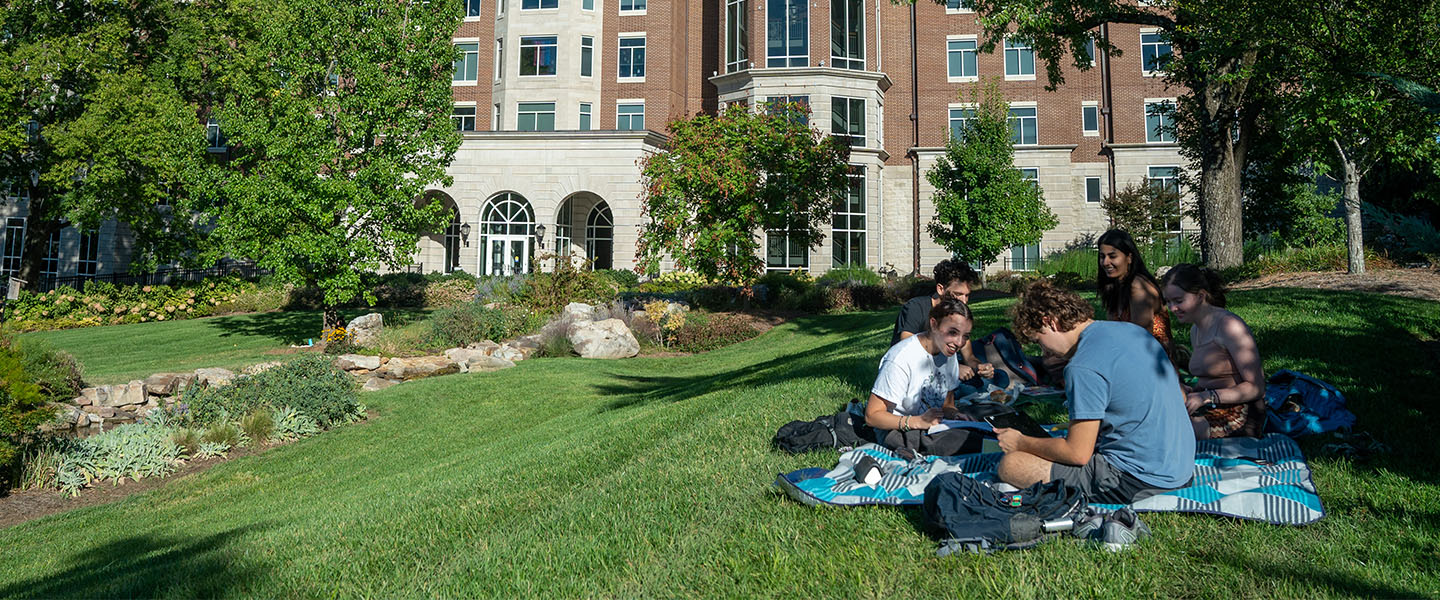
1299, 404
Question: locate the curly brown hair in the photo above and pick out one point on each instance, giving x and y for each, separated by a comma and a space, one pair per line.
1045, 299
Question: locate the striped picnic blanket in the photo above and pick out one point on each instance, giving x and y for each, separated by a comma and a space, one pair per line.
1257, 479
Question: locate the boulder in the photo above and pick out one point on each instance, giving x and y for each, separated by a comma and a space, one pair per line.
416, 368
509, 353
604, 339
213, 376
67, 416
357, 362
485, 347
106, 411
129, 394
485, 364
83, 400
531, 342
365, 329
375, 384
575, 312
168, 384
461, 355
259, 368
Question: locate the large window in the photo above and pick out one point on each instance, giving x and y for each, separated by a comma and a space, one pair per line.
847, 118
1019, 59
1024, 125
89, 263
535, 116
538, 4
1024, 258
959, 5
737, 36
50, 267
587, 55
537, 55
472, 8
848, 225
1092, 190
630, 117
1154, 53
960, 121
784, 253
787, 33
214, 137
585, 116
961, 59
467, 67
1090, 119
632, 57
1167, 178
452, 242
600, 237
628, 6
1159, 122
14, 246
563, 220
775, 104
847, 34
464, 117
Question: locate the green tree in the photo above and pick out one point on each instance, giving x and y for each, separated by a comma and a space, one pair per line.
1348, 118
1224, 51
99, 121
725, 178
983, 204
1144, 210
338, 119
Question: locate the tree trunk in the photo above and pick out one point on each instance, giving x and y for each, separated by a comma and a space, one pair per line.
1220, 198
38, 228
1354, 235
330, 318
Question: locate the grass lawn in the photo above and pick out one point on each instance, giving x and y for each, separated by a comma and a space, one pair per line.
120, 353
651, 477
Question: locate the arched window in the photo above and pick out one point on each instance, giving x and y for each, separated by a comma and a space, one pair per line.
563, 222
507, 226
600, 237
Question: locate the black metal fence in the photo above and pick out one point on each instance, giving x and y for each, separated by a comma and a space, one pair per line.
160, 277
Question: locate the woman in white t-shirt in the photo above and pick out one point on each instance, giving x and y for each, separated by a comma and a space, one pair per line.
918, 375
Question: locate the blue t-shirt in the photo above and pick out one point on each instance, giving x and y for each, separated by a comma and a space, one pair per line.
1120, 375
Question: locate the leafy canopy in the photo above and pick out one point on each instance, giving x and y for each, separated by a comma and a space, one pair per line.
337, 116
983, 204
725, 178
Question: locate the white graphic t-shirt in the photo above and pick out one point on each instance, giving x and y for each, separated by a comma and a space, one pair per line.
915, 380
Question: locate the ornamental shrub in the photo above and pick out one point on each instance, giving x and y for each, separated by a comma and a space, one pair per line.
850, 277
310, 384
470, 323
24, 407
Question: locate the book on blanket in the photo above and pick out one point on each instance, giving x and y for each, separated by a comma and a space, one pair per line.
1018, 421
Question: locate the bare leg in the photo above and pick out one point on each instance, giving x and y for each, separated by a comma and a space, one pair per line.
1022, 469
1202, 428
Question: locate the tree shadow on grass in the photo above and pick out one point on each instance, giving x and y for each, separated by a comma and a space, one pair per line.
295, 326
149, 566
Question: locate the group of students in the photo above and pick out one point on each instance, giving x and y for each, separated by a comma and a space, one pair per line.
1133, 420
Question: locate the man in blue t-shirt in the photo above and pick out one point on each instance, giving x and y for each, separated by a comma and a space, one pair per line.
1129, 433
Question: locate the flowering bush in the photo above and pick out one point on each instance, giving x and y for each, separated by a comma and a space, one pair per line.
103, 303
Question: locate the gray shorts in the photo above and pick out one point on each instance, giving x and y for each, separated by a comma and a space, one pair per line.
1102, 482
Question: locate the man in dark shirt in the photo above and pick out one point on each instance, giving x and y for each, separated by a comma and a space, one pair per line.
953, 279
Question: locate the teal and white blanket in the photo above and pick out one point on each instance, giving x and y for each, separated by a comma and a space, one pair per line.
1258, 479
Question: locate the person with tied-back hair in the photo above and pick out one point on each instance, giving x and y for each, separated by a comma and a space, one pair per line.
1129, 435
1228, 399
954, 279
1128, 290
915, 388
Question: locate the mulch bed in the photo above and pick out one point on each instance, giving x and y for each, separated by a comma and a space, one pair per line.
1413, 283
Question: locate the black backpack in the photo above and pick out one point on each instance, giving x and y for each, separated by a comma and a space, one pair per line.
971, 516
829, 431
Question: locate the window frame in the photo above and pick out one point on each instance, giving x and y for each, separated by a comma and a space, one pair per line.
1018, 134
962, 107
541, 5
849, 104
587, 116
849, 233
622, 50
520, 114
629, 117
539, 50
847, 62
1164, 132
1159, 60
961, 7
587, 56
737, 29
465, 61
973, 53
10, 263
472, 10
788, 27
633, 11
1090, 106
1099, 190
455, 115
1021, 50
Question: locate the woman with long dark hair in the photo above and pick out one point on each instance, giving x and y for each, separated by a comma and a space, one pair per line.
1128, 290
1228, 398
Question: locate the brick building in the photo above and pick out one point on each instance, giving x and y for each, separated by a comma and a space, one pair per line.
557, 100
